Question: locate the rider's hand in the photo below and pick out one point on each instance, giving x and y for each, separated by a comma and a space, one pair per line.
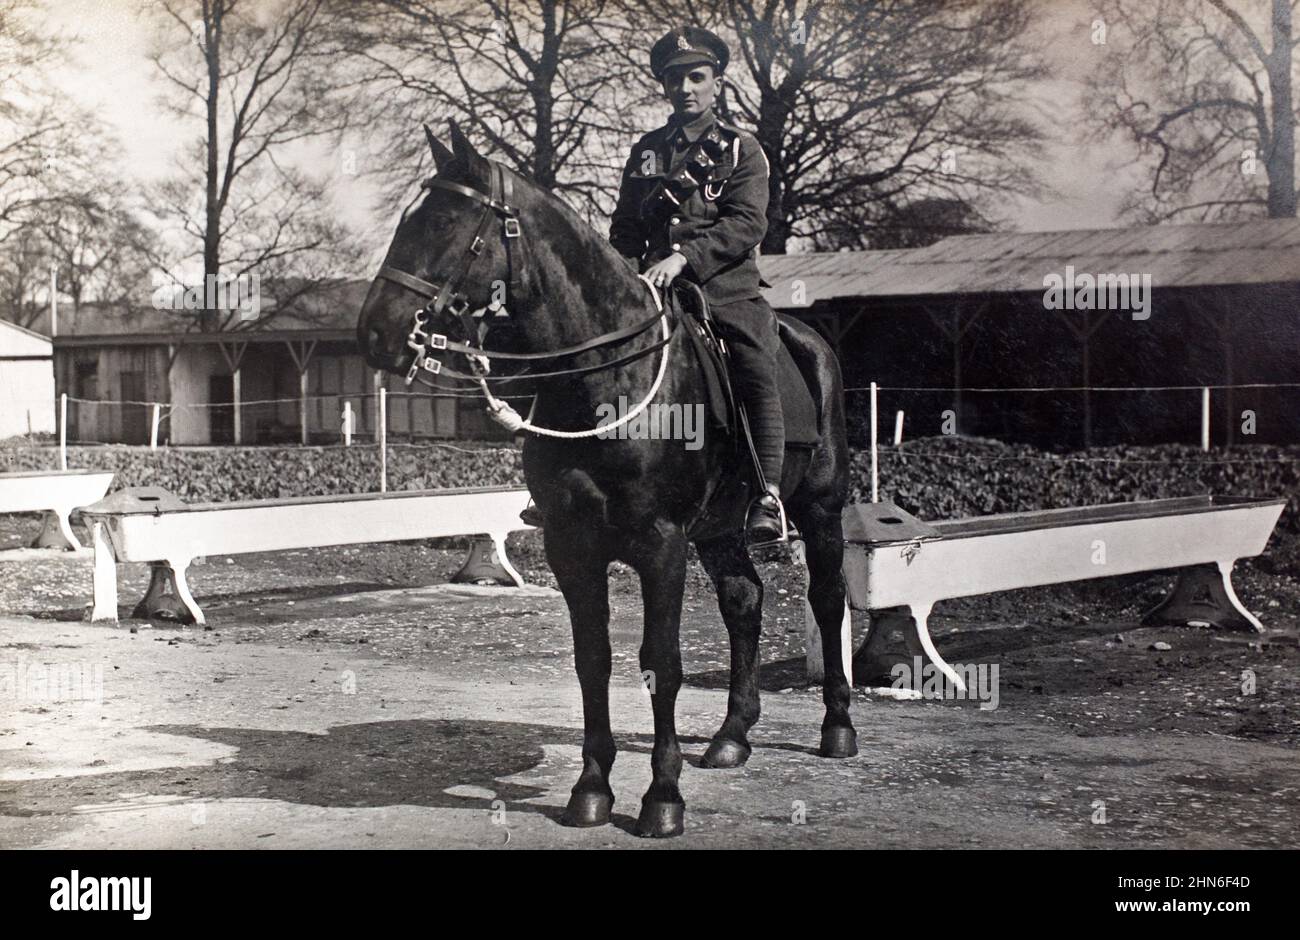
662, 273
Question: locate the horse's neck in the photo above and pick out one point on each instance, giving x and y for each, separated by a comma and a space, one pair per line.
591, 288
588, 291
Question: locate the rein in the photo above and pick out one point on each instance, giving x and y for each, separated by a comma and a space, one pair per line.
450, 297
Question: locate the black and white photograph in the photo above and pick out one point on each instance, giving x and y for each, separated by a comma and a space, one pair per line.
642, 425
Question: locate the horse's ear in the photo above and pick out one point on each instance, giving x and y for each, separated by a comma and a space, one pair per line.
460, 144
442, 157
467, 155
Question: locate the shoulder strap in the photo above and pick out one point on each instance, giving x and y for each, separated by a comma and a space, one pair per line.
696, 168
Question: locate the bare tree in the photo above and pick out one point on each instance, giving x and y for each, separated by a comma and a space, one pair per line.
24, 275
1205, 88
257, 79
862, 106
101, 251
912, 223
61, 203
536, 83
43, 136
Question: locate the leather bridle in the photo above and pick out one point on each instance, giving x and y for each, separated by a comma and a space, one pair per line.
450, 297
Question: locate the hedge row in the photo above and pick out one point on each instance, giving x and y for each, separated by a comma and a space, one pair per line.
223, 474
933, 478
944, 478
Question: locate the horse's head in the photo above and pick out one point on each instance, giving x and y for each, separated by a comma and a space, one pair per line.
449, 269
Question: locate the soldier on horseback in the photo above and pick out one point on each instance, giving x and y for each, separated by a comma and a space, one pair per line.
693, 204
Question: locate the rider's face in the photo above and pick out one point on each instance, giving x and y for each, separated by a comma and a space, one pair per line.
691, 89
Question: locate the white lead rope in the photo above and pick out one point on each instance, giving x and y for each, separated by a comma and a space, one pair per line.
507, 417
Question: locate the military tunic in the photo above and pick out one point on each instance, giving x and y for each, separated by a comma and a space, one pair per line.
717, 228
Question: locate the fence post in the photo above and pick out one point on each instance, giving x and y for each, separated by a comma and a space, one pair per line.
302, 406
875, 470
63, 431
383, 440
347, 424
153, 431
1205, 418
237, 396
898, 428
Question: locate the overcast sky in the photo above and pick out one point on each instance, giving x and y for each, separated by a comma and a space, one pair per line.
111, 74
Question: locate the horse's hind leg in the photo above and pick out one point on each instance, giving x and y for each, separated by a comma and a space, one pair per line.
740, 599
584, 582
824, 547
662, 567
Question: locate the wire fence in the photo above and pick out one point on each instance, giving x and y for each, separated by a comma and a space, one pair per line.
1072, 388
951, 418
337, 418
431, 418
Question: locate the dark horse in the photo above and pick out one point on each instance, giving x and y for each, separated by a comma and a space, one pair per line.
480, 227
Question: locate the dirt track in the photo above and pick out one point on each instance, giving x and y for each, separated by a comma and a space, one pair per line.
333, 707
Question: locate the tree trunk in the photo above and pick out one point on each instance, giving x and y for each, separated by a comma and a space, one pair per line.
212, 221
773, 113
1281, 155
544, 169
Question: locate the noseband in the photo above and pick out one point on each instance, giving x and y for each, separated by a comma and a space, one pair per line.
450, 297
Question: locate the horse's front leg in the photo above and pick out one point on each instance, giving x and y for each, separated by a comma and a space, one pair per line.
580, 571
660, 560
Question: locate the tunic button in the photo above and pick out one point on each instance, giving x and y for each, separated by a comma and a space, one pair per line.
676, 246
675, 220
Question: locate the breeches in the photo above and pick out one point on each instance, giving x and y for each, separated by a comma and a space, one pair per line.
750, 331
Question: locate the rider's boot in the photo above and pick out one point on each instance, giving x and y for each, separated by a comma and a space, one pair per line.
766, 520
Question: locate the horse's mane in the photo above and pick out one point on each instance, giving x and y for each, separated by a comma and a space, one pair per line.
582, 230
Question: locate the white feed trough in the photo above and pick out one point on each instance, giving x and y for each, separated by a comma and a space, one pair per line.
153, 525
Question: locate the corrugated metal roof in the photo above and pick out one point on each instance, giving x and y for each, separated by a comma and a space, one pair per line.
332, 306
1256, 252
1262, 251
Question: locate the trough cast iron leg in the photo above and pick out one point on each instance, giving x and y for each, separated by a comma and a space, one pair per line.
1204, 594
920, 618
874, 661
814, 664
104, 576
183, 590
488, 564
499, 542
167, 587
56, 531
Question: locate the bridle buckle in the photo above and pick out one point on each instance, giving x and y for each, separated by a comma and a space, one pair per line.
511, 225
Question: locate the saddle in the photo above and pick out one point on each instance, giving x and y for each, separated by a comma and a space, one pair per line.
798, 408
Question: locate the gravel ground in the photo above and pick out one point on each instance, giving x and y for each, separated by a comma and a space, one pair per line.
464, 712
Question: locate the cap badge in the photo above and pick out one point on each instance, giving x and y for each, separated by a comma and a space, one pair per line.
682, 43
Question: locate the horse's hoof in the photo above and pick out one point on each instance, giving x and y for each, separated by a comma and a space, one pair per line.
660, 820
723, 754
587, 809
839, 742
